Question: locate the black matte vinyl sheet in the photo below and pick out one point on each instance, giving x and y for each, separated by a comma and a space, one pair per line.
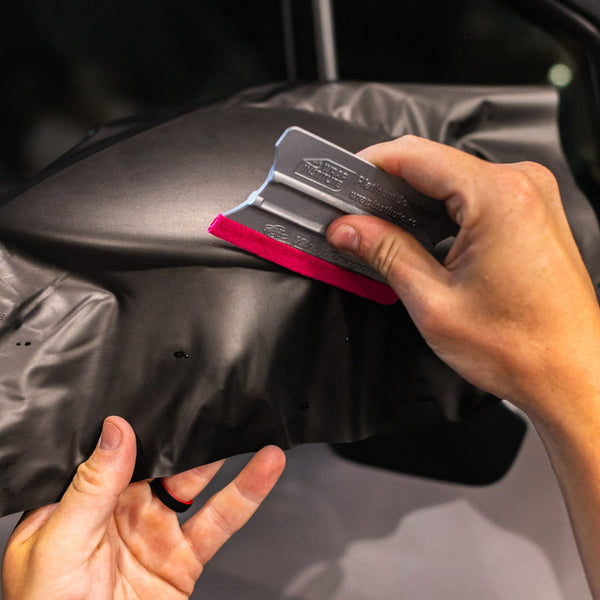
115, 300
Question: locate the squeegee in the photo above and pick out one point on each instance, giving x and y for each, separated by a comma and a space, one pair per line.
313, 182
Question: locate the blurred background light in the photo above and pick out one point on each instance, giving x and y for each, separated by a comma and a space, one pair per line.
560, 75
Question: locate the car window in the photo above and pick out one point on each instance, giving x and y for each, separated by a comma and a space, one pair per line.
68, 67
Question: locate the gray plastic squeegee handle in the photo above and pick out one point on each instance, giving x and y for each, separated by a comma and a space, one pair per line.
313, 182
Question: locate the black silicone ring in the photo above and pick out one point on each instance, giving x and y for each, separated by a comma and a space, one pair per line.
166, 497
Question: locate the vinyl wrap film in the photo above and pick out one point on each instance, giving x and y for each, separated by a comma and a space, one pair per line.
114, 299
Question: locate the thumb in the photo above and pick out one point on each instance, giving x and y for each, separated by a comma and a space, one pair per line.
413, 273
85, 509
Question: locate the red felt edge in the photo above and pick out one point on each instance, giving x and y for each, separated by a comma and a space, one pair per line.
300, 262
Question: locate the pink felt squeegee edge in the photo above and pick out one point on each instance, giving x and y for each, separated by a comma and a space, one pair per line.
305, 264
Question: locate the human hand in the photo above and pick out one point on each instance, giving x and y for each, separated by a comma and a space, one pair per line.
107, 538
512, 309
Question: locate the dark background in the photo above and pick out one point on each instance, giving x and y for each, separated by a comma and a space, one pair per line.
67, 67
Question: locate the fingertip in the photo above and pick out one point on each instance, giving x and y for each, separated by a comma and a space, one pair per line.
122, 424
115, 432
380, 155
261, 474
274, 457
115, 453
388, 155
343, 236
367, 152
111, 436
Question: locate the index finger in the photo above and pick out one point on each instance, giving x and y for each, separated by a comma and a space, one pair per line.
430, 167
229, 510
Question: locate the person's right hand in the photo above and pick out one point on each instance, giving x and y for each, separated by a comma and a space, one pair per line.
512, 309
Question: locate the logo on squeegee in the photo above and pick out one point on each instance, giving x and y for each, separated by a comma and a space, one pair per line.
324, 172
277, 232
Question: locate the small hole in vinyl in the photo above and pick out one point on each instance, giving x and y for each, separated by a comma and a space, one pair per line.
304, 406
348, 338
181, 354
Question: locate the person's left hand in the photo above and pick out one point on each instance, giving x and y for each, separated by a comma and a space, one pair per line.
107, 538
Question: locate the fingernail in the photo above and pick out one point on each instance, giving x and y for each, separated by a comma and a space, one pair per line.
345, 238
110, 437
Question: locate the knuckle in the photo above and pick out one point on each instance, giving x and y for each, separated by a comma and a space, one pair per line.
535, 179
87, 479
222, 521
537, 171
387, 257
408, 140
522, 186
248, 496
526, 191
